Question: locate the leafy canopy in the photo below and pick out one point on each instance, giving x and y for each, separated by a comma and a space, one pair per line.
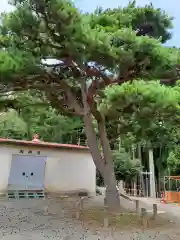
106, 47
145, 21
113, 39
103, 48
148, 110
93, 51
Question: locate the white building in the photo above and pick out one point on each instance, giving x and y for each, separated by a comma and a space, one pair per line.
50, 167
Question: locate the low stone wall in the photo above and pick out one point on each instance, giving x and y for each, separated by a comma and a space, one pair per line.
77, 193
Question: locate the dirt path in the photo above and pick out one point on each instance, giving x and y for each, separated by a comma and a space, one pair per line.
27, 219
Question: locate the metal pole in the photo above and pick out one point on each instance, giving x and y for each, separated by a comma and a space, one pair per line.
147, 187
169, 184
159, 188
141, 175
152, 175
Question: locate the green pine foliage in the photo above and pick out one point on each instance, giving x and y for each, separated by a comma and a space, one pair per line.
122, 44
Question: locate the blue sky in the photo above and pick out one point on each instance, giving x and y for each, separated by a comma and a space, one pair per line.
171, 7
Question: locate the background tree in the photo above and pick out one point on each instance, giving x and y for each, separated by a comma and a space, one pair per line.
11, 126
139, 121
173, 161
28, 115
91, 51
126, 168
133, 106
47, 122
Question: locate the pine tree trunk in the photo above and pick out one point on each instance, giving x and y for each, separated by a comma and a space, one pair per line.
112, 194
103, 163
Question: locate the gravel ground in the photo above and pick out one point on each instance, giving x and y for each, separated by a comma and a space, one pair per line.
27, 219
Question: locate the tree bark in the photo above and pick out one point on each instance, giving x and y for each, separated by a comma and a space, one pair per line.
93, 143
112, 195
103, 163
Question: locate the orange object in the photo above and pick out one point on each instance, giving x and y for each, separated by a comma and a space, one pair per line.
172, 197
178, 198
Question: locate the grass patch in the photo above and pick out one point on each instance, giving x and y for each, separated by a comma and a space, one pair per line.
95, 217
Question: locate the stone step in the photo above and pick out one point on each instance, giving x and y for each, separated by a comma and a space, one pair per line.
25, 194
